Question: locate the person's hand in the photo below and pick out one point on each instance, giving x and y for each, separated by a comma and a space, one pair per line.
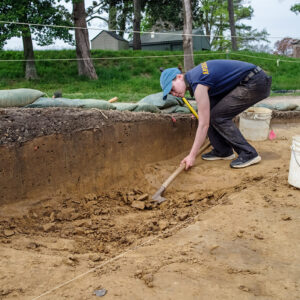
188, 161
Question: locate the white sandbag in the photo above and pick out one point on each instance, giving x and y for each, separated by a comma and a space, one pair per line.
18, 97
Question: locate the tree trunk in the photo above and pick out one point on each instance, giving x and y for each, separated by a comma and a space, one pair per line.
30, 69
232, 25
187, 38
112, 16
221, 48
137, 25
83, 53
122, 23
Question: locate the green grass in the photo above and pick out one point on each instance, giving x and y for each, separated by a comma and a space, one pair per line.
128, 78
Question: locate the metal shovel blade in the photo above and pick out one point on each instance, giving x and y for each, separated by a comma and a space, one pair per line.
157, 197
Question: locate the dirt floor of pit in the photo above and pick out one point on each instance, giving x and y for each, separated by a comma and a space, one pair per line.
222, 234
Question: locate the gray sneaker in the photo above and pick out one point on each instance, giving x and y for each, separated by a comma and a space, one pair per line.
212, 155
242, 162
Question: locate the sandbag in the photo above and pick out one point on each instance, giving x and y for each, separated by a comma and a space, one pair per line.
182, 110
170, 109
94, 103
185, 109
157, 100
125, 106
265, 105
283, 106
18, 97
65, 102
50, 102
147, 108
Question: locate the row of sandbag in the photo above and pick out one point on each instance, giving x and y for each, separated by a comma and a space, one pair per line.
151, 103
145, 105
91, 103
31, 98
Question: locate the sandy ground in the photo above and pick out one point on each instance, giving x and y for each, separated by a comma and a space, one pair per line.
222, 234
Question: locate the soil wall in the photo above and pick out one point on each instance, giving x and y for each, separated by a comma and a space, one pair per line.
62, 152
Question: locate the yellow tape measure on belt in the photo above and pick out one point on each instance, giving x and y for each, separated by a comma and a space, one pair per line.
190, 108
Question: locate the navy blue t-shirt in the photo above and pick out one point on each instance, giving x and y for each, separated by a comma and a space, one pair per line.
220, 75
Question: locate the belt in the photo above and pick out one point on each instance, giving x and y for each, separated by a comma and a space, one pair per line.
251, 74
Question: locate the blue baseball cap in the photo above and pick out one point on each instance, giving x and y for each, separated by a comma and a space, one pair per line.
166, 78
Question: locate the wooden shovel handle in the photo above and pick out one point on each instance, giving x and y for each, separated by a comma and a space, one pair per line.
114, 99
181, 167
173, 176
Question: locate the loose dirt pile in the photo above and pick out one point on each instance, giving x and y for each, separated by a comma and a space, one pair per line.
222, 234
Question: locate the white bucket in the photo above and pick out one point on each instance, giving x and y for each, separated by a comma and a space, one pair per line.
294, 173
255, 123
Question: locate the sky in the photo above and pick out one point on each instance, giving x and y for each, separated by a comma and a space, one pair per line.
273, 15
276, 17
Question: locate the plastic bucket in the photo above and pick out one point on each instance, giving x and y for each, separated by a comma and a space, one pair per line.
255, 123
294, 172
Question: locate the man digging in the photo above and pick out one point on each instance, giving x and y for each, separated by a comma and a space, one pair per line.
222, 89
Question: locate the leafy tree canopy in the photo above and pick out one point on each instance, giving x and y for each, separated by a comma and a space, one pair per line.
210, 15
284, 46
119, 13
37, 12
296, 8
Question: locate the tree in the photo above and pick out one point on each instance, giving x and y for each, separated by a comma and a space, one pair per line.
124, 16
137, 25
96, 10
112, 15
119, 13
232, 25
213, 17
251, 39
170, 18
210, 15
84, 62
187, 37
296, 8
284, 46
33, 11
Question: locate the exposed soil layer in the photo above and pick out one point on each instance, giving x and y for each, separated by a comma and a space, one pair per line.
21, 125
71, 152
222, 233
288, 116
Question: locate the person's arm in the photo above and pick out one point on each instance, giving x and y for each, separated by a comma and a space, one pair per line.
202, 99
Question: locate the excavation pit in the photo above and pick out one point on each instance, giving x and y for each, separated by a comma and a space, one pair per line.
75, 192
72, 152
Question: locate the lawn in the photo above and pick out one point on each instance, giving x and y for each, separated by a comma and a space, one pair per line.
129, 75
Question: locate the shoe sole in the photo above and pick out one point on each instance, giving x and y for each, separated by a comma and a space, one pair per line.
232, 156
253, 161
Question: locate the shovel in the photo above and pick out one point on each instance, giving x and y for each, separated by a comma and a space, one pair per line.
157, 197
